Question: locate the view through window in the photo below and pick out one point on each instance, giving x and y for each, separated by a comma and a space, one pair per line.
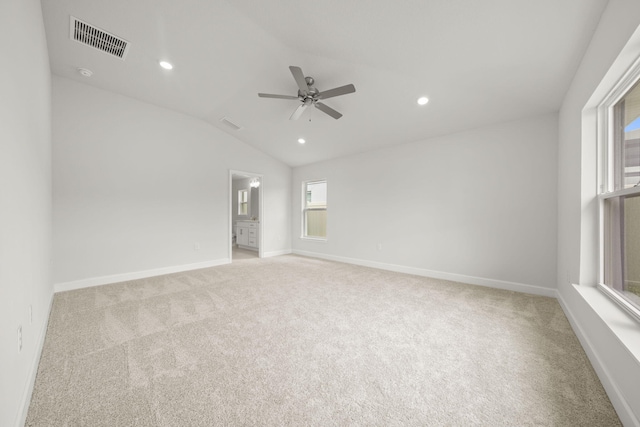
314, 212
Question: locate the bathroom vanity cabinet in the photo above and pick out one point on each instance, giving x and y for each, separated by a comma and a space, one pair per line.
247, 234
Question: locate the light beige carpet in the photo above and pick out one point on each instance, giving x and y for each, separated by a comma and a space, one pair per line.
305, 342
242, 254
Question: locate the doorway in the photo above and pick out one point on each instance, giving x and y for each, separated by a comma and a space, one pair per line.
246, 214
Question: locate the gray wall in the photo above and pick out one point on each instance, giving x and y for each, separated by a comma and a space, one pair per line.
476, 206
254, 204
137, 196
25, 205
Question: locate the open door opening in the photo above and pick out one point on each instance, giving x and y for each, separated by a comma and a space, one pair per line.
245, 216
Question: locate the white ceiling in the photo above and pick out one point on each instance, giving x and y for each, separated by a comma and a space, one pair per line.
479, 62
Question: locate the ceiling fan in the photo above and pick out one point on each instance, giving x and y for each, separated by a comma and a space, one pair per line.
309, 95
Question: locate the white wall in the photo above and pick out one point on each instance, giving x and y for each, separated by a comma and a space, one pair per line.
25, 202
611, 339
477, 206
135, 186
254, 202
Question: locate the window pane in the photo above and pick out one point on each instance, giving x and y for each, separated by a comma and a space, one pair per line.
622, 246
627, 140
314, 214
632, 248
316, 194
316, 223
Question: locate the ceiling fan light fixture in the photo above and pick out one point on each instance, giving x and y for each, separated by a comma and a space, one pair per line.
301, 140
423, 100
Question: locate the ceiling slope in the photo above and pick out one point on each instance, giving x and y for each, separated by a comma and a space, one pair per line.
478, 62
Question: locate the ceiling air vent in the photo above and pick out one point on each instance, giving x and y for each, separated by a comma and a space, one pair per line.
230, 123
99, 39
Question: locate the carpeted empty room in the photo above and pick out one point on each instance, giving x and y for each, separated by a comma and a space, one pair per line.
298, 341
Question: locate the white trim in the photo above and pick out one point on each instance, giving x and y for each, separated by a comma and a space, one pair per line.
314, 239
619, 193
471, 280
123, 277
31, 378
276, 253
624, 411
620, 300
622, 86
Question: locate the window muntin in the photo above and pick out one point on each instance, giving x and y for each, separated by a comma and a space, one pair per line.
314, 209
620, 201
243, 202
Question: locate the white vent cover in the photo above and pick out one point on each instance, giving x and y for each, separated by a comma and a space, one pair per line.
99, 39
230, 123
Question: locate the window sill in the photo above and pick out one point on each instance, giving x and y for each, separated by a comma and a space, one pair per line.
623, 325
314, 239
627, 307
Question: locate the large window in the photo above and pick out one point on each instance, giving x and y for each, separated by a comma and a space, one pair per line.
620, 198
314, 209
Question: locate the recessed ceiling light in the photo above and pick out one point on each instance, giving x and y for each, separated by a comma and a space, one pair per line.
84, 72
301, 140
423, 100
166, 65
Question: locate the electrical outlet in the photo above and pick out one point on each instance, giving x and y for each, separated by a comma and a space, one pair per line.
20, 338
379, 246
196, 246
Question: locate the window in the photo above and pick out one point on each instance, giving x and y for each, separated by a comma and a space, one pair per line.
243, 202
314, 209
620, 199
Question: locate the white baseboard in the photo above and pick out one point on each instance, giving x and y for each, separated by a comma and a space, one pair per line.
123, 277
276, 253
624, 411
33, 371
471, 280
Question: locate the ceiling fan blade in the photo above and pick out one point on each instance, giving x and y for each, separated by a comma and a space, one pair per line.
269, 95
328, 110
296, 114
342, 90
299, 77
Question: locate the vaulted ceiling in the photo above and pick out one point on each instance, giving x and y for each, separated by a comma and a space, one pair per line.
478, 62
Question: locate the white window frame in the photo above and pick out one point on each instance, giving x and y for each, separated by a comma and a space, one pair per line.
305, 209
606, 178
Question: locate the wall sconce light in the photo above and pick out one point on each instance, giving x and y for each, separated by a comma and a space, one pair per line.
255, 183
